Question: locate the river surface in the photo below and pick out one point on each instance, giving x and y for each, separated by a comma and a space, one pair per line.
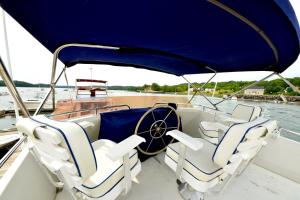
288, 115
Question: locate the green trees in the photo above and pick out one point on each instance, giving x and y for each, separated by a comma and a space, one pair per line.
273, 87
155, 87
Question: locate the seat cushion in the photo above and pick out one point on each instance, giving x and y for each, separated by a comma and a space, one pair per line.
110, 174
210, 129
242, 111
199, 164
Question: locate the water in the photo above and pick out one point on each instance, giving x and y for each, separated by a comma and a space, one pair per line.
287, 115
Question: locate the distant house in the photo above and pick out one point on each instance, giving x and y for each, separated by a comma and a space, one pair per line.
255, 90
209, 89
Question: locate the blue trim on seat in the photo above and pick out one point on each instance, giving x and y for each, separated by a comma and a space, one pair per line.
223, 138
246, 106
208, 173
113, 186
66, 140
89, 143
247, 132
242, 137
108, 176
198, 169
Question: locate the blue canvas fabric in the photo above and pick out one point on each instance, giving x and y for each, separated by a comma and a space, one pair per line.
172, 36
119, 125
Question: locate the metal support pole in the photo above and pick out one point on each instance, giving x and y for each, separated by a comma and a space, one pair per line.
201, 88
54, 64
246, 88
215, 73
12, 89
8, 58
294, 88
49, 92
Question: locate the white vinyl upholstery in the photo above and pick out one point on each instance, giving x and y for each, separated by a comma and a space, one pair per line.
232, 138
244, 112
204, 168
110, 173
65, 147
211, 130
198, 163
76, 141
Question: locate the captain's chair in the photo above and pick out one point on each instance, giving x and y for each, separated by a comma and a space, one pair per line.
101, 170
202, 165
212, 131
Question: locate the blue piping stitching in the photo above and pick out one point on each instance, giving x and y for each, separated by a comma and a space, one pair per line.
247, 132
66, 140
108, 176
242, 137
198, 169
89, 143
113, 186
209, 173
223, 138
246, 106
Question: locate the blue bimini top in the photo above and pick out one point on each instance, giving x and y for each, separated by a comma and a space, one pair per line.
173, 36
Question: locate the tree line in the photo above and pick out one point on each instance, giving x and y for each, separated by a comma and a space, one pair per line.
272, 87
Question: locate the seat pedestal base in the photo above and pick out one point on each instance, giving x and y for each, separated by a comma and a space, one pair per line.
188, 193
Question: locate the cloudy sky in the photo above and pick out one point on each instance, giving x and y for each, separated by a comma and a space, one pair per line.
31, 62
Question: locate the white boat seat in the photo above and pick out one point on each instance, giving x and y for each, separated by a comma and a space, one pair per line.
205, 167
198, 163
213, 131
111, 173
90, 171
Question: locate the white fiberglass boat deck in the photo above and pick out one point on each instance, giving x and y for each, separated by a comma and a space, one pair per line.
158, 182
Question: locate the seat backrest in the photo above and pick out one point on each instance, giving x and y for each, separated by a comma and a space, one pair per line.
61, 141
246, 112
232, 138
256, 113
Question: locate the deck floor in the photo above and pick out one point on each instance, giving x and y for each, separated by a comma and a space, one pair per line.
157, 181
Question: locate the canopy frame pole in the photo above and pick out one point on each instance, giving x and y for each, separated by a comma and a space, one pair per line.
55, 58
49, 92
54, 66
193, 86
66, 78
8, 58
294, 88
215, 73
229, 97
12, 89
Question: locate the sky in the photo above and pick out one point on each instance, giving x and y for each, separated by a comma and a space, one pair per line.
31, 62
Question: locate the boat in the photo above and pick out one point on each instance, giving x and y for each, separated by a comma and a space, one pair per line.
93, 89
167, 150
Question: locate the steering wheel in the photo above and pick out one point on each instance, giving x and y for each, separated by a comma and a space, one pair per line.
153, 126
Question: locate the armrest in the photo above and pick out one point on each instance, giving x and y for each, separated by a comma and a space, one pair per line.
250, 144
186, 140
124, 147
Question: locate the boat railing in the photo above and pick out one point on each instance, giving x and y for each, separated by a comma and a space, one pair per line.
88, 110
12, 151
